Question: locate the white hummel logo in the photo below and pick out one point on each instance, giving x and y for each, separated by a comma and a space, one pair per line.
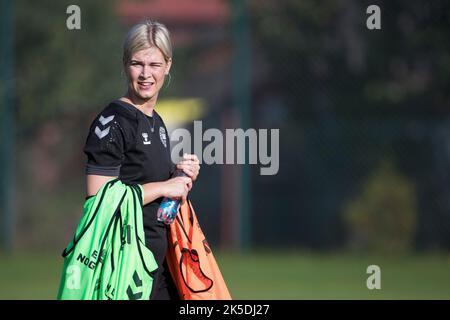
145, 136
101, 133
104, 120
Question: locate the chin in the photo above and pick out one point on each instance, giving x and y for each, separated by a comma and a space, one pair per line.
144, 95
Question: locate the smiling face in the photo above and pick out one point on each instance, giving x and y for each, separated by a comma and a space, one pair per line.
146, 72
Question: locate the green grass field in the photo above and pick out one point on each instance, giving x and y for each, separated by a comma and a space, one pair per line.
267, 275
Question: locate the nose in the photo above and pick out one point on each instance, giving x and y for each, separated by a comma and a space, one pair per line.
146, 72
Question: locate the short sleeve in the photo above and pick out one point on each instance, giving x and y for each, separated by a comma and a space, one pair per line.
105, 145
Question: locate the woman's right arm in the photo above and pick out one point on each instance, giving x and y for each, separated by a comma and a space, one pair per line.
95, 182
177, 187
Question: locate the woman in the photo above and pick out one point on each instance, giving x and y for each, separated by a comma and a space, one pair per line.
129, 140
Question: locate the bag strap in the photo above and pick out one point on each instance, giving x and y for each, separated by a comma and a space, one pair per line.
182, 228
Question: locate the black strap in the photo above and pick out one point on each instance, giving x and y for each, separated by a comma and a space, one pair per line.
136, 191
182, 228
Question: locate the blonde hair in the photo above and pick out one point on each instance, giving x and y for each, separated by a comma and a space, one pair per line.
146, 35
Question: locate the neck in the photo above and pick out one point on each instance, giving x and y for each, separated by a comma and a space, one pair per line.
144, 105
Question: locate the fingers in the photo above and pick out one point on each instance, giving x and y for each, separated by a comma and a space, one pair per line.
190, 163
184, 195
191, 157
190, 160
185, 180
187, 184
177, 187
188, 171
190, 166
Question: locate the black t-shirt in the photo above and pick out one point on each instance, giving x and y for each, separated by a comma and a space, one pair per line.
121, 143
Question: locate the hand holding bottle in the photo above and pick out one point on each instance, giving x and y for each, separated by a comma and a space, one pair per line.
178, 188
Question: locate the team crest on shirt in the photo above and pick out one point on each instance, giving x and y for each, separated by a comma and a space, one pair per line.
162, 136
146, 139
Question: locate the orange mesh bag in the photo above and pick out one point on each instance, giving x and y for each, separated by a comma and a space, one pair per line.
191, 261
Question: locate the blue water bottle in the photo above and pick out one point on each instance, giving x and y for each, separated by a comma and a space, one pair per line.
168, 208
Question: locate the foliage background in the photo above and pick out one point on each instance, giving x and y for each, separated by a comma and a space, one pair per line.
364, 137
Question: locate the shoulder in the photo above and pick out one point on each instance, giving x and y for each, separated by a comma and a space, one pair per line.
117, 114
120, 111
118, 119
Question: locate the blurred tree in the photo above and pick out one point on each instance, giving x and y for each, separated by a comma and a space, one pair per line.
63, 78
324, 51
383, 217
62, 71
353, 95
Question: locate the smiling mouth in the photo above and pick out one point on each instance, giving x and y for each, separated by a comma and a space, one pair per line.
145, 85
